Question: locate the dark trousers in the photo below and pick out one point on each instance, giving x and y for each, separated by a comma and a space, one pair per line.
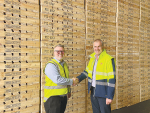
56, 104
99, 104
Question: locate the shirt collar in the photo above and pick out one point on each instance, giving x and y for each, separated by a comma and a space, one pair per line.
98, 57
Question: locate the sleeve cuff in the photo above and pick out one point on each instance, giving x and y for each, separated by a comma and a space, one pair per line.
71, 82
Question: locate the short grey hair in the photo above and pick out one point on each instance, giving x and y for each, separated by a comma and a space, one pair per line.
99, 40
59, 45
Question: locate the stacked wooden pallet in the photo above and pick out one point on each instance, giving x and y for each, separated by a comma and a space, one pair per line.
63, 22
144, 50
20, 56
128, 52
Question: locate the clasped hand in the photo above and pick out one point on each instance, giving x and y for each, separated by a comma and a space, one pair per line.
75, 81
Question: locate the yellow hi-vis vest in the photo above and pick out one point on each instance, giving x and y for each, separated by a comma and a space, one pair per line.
104, 69
53, 89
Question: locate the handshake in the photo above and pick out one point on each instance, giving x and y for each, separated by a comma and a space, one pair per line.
75, 81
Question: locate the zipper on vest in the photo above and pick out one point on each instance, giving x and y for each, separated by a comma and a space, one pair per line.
92, 77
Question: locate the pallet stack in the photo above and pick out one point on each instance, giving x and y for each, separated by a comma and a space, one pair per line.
128, 53
63, 22
100, 24
20, 56
144, 50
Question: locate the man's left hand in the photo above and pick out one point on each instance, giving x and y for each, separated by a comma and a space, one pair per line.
108, 101
68, 95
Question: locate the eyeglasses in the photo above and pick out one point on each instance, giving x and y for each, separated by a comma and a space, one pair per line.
59, 51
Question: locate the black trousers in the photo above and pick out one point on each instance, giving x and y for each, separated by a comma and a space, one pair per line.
56, 104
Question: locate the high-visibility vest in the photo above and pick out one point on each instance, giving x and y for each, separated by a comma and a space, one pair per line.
104, 69
53, 89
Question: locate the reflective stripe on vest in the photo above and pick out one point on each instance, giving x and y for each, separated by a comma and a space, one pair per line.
85, 74
105, 74
102, 73
45, 98
102, 83
55, 87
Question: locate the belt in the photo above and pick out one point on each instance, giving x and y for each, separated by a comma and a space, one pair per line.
62, 96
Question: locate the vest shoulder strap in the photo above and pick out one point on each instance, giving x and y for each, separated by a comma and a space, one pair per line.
53, 62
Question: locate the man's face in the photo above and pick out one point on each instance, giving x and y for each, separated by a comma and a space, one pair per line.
97, 47
59, 53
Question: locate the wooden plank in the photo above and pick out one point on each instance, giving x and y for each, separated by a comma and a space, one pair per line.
53, 44
9, 43
78, 4
55, 3
51, 37
30, 65
22, 50
31, 21
31, 58
36, 2
79, 29
54, 37
49, 9
30, 80
8, 108
78, 58
79, 46
78, 16
2, 1
30, 87
75, 64
50, 16
28, 95
49, 44
78, 35
31, 35
79, 11
9, 84
34, 86
47, 51
50, 30
79, 87
62, 19
18, 65
88, 52
30, 7
15, 2
10, 58
31, 43
30, 50
46, 3
29, 73
14, 74
46, 58
30, 28
73, 67
30, 14
2, 33
76, 70
31, 101
1, 16
14, 10
34, 108
17, 58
